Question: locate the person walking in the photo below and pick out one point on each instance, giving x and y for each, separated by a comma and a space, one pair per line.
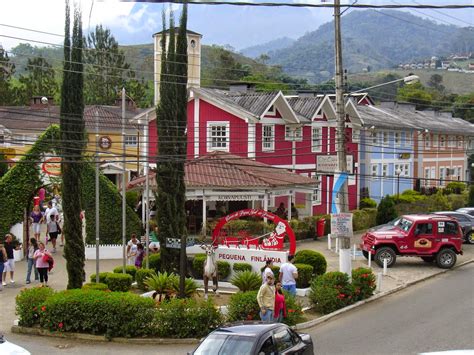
52, 226
140, 255
288, 275
3, 260
266, 300
280, 304
41, 257
267, 270
10, 246
36, 218
32, 248
132, 248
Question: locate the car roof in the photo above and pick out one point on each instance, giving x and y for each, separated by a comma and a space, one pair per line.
465, 209
247, 328
423, 217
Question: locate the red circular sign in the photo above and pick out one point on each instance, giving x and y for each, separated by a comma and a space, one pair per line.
52, 166
270, 241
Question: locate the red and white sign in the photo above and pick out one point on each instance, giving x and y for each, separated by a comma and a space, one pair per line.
52, 166
270, 241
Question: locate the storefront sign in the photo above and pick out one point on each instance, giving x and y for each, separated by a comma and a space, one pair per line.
52, 166
236, 198
105, 142
404, 156
341, 225
254, 257
328, 163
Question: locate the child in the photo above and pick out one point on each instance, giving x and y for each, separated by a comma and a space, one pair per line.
139, 257
280, 305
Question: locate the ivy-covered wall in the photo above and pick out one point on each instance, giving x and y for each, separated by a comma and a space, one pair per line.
19, 184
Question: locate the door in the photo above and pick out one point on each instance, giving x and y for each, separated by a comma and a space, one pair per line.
424, 240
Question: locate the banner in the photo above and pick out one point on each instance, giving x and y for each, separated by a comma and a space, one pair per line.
339, 180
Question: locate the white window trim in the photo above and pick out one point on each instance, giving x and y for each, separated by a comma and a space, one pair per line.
435, 140
384, 170
385, 138
451, 141
211, 124
271, 111
270, 148
426, 177
459, 141
316, 196
372, 176
427, 140
355, 135
399, 134
293, 129
128, 144
316, 148
442, 141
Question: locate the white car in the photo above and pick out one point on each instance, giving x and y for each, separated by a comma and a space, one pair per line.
7, 348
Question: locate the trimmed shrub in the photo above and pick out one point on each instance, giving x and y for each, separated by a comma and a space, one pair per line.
190, 286
386, 210
95, 286
186, 318
246, 280
455, 187
243, 306
313, 258
301, 229
364, 219
438, 202
331, 291
223, 269
198, 265
154, 263
457, 201
114, 314
363, 280
102, 277
28, 304
305, 274
367, 203
119, 282
129, 269
142, 275
242, 267
294, 310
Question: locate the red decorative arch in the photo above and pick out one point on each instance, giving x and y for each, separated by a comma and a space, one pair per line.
272, 241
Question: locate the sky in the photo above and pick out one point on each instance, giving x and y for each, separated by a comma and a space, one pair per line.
135, 23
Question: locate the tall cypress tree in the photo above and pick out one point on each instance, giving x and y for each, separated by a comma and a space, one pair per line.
72, 129
171, 124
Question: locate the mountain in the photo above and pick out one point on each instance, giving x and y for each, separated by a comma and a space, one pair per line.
276, 44
372, 40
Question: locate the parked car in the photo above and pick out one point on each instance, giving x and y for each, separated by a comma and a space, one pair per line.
386, 226
431, 237
468, 210
466, 222
255, 338
7, 348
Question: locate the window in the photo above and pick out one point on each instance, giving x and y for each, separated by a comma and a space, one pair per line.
451, 141
426, 181
384, 170
316, 199
355, 135
442, 176
404, 169
271, 111
373, 135
442, 141
435, 140
268, 138
424, 228
293, 133
374, 171
459, 139
427, 140
316, 142
385, 138
131, 141
397, 138
283, 340
267, 347
218, 136
448, 228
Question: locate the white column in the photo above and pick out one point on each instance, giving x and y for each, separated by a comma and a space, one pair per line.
251, 140
196, 127
289, 206
204, 214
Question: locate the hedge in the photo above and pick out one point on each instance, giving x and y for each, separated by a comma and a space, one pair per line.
241, 267
19, 184
114, 314
28, 304
313, 258
198, 265
95, 286
305, 274
102, 277
331, 291
142, 275
364, 219
154, 263
243, 306
119, 282
363, 280
129, 269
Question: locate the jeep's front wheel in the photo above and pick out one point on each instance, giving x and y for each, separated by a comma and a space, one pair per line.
470, 238
446, 258
428, 259
385, 253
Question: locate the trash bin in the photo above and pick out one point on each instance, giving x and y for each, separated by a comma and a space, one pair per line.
320, 224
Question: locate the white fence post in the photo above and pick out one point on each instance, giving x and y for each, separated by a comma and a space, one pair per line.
379, 282
385, 263
337, 245
329, 242
354, 256
369, 260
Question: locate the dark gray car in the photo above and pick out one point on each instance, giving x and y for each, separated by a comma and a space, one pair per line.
255, 338
466, 222
468, 210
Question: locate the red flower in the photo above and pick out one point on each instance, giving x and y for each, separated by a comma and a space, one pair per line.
61, 325
43, 308
341, 296
291, 311
249, 317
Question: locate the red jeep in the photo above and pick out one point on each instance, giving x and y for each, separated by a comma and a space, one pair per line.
431, 237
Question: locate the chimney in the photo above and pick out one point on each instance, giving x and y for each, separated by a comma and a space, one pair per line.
129, 103
242, 87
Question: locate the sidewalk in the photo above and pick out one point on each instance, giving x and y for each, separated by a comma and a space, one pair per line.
406, 271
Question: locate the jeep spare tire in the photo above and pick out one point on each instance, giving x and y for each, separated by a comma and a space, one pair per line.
446, 258
385, 253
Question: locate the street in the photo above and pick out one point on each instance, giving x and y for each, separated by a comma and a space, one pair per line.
435, 315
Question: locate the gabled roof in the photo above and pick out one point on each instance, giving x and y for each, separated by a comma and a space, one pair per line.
386, 118
176, 29
220, 170
307, 107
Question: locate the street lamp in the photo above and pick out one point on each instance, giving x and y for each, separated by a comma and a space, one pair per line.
398, 172
410, 79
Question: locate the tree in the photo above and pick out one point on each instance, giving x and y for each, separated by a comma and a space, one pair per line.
464, 107
39, 80
170, 129
435, 83
386, 210
417, 94
3, 164
7, 70
73, 138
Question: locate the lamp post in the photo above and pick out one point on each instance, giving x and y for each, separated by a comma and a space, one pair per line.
410, 79
398, 172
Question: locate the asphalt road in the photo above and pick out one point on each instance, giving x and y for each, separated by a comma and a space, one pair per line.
436, 315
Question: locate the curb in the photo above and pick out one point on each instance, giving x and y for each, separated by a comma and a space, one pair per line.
100, 338
327, 317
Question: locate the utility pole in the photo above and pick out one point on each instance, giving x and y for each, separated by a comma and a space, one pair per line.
345, 241
124, 170
97, 216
